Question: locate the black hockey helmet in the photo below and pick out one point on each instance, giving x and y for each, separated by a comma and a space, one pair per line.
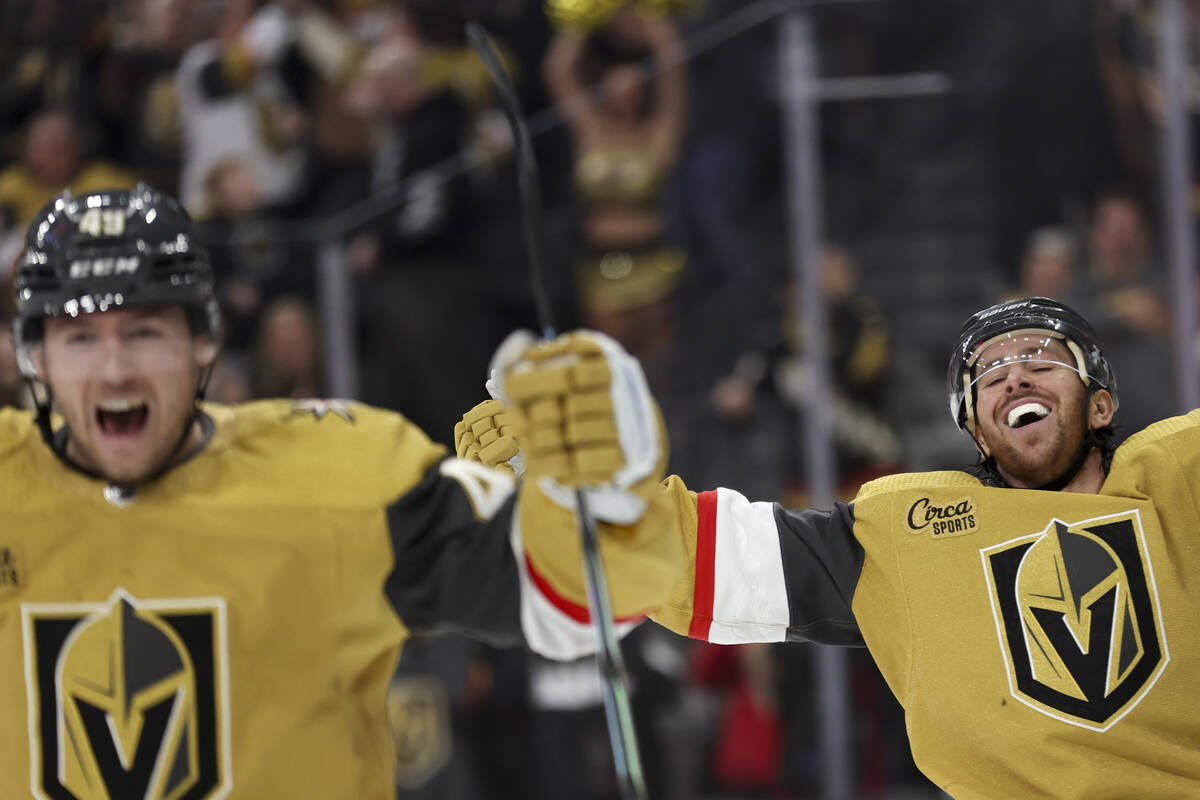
106, 250
1027, 314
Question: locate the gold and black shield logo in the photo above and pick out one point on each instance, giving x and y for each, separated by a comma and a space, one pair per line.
128, 698
419, 719
1078, 617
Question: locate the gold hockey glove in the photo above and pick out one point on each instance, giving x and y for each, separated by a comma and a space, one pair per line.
487, 434
586, 420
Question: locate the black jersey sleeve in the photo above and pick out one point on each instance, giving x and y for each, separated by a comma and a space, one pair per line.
759, 572
454, 568
822, 562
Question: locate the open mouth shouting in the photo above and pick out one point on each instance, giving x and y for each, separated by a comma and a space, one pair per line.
122, 417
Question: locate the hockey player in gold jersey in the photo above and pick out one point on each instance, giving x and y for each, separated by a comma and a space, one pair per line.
1036, 615
203, 602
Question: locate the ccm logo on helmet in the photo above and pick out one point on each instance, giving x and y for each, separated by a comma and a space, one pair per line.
101, 267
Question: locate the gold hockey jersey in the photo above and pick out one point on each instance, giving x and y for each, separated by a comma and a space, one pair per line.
1043, 644
230, 630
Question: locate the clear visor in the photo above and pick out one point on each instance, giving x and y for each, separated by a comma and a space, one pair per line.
1022, 349
995, 358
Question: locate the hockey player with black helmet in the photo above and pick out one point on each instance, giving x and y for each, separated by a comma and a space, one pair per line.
207, 601
1033, 443
1034, 614
127, 252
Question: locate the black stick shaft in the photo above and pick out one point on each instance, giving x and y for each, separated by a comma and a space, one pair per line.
528, 186
618, 713
617, 709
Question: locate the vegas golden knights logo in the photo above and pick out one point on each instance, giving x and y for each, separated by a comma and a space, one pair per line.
1078, 617
128, 699
419, 721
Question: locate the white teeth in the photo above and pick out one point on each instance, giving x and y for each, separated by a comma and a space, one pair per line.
118, 405
1026, 408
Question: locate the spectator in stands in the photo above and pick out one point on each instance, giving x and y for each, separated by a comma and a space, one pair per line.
858, 345
1049, 265
627, 142
717, 192
242, 94
229, 382
417, 260
148, 41
1122, 292
53, 55
53, 160
288, 354
255, 256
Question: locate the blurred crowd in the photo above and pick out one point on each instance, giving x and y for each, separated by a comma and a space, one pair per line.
289, 126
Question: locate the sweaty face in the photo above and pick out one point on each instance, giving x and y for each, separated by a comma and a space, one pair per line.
1031, 407
124, 381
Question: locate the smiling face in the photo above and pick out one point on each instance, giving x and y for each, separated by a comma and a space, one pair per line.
1033, 410
125, 382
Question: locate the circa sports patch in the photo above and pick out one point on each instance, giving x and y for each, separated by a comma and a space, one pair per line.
942, 520
128, 698
1078, 618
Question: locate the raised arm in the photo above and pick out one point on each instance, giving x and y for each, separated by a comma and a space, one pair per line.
670, 110
758, 572
749, 572
560, 69
474, 554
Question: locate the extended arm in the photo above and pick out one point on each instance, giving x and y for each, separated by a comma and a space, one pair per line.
750, 571
758, 572
474, 554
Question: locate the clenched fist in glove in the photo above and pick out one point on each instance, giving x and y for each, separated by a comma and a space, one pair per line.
487, 433
584, 418
574, 413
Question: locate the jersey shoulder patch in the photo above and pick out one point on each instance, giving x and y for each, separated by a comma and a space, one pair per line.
319, 409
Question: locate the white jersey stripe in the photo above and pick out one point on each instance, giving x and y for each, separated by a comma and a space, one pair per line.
750, 598
549, 629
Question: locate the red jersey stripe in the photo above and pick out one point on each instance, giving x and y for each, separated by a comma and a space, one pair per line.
575, 611
706, 556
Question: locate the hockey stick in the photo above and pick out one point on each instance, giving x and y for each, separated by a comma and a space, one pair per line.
617, 710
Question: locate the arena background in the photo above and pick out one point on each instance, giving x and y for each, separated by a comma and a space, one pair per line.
785, 209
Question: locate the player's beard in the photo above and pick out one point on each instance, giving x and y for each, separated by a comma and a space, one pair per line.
1020, 468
